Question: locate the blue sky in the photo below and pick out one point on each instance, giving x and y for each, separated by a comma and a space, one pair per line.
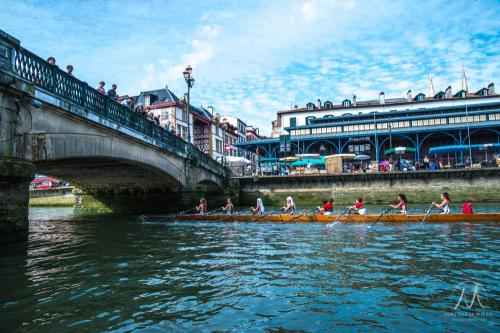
253, 58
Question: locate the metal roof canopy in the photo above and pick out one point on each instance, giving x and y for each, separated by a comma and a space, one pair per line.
459, 148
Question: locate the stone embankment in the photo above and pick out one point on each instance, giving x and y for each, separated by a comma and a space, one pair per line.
480, 185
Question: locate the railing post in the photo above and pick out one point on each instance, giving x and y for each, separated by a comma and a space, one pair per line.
106, 106
83, 97
8, 45
53, 78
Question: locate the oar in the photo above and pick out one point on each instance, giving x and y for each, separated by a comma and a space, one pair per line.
380, 216
186, 211
200, 217
342, 213
427, 213
263, 215
296, 217
142, 218
231, 215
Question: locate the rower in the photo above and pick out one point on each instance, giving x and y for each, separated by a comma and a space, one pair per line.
202, 207
259, 208
444, 206
402, 206
467, 208
228, 208
359, 207
326, 209
290, 206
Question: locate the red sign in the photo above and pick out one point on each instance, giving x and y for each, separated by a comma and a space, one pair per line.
228, 147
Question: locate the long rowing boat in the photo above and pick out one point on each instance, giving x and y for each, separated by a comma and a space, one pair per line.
316, 218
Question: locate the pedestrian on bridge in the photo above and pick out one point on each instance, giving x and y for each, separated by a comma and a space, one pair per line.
112, 92
100, 88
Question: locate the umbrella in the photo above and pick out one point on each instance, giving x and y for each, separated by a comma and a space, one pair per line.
399, 150
289, 159
343, 156
306, 156
362, 157
237, 161
386, 162
313, 161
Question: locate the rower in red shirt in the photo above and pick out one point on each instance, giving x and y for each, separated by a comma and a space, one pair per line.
359, 207
327, 208
467, 208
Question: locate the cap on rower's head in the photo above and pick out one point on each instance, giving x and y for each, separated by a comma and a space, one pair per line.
360, 200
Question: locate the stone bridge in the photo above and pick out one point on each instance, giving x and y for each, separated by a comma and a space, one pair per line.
54, 124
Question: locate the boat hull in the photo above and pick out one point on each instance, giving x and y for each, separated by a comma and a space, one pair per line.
389, 218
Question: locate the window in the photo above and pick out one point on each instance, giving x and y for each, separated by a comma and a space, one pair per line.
361, 148
309, 119
420, 97
328, 105
495, 116
310, 106
147, 99
164, 115
346, 103
293, 122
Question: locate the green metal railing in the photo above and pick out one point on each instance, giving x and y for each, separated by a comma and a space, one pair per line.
50, 78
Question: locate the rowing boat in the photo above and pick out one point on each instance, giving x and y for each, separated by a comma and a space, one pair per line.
388, 218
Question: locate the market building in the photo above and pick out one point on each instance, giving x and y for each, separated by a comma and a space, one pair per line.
460, 121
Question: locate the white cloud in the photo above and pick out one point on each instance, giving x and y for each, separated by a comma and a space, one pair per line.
254, 58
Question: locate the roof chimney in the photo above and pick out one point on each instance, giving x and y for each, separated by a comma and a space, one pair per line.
491, 89
319, 103
447, 93
354, 100
381, 98
210, 109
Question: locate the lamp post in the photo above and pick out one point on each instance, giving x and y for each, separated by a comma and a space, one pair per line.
390, 135
190, 83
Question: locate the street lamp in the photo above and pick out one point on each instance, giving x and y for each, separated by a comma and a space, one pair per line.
190, 83
390, 136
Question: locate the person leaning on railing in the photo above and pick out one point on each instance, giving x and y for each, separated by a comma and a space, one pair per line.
112, 92
100, 88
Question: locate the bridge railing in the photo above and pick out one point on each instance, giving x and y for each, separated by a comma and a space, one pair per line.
49, 77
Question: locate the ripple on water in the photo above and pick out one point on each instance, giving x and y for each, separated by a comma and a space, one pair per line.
117, 275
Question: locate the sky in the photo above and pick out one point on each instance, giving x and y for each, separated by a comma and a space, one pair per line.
252, 58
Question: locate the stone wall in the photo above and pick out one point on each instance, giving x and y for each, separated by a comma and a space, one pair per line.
480, 185
15, 176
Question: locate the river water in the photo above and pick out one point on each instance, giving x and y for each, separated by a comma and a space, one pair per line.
115, 274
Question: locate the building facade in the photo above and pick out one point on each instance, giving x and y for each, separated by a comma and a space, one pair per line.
241, 127
170, 109
372, 127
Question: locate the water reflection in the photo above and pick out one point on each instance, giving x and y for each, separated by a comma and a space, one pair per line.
116, 274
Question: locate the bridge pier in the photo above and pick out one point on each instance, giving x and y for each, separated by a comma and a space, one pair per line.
15, 176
